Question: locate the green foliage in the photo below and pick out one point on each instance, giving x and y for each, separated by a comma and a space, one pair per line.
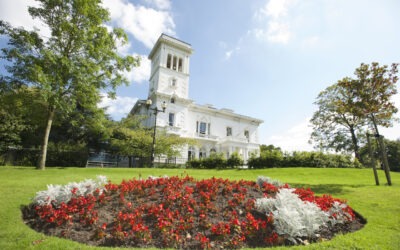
216, 161
130, 138
71, 66
273, 159
347, 108
234, 160
393, 153
335, 126
21, 114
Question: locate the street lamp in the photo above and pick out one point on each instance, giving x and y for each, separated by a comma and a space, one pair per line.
155, 110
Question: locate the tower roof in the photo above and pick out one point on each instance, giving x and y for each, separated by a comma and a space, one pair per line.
171, 41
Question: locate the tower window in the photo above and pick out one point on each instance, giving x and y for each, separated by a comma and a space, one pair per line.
180, 65
175, 63
173, 82
169, 61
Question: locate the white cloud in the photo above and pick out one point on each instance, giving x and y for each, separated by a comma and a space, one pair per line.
142, 73
16, 13
145, 24
160, 4
294, 139
277, 8
278, 32
275, 21
119, 107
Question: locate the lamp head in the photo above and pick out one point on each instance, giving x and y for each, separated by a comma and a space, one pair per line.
164, 106
148, 103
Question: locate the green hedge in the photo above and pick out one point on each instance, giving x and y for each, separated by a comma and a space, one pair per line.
216, 161
272, 159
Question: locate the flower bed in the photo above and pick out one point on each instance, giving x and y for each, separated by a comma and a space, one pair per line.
190, 214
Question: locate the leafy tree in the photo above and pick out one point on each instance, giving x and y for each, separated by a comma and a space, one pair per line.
335, 125
130, 138
371, 93
20, 117
265, 148
347, 107
73, 64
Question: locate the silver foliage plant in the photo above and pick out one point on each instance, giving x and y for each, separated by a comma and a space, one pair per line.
296, 218
265, 179
56, 194
293, 217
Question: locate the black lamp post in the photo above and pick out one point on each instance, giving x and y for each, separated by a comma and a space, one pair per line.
155, 110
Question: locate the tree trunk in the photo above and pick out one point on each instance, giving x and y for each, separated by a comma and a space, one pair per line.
372, 161
382, 149
355, 144
43, 153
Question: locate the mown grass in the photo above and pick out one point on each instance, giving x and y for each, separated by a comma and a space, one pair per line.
380, 205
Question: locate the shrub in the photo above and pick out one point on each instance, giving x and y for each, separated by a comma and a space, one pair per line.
234, 161
214, 161
271, 159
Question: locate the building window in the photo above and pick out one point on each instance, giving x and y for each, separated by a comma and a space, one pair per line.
175, 63
171, 119
169, 61
203, 128
247, 134
202, 153
172, 100
228, 131
191, 153
180, 67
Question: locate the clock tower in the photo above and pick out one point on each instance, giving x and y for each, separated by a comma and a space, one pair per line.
169, 68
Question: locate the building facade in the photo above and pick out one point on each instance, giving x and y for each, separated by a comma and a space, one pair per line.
215, 130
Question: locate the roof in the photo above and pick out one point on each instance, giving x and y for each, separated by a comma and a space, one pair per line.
226, 112
171, 41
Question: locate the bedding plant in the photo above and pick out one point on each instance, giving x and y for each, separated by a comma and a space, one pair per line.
184, 213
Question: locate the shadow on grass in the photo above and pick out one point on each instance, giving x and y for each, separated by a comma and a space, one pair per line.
333, 189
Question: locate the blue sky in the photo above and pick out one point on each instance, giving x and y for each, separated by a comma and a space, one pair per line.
264, 58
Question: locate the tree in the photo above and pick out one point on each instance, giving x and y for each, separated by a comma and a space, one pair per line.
72, 65
393, 152
20, 117
372, 97
335, 124
130, 138
372, 92
347, 108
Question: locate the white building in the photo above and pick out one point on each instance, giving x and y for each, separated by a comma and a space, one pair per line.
216, 130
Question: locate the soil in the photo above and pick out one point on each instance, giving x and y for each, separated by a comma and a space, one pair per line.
108, 212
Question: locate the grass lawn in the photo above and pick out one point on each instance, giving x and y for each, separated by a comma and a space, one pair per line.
380, 205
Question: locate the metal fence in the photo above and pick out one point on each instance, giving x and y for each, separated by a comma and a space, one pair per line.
29, 157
